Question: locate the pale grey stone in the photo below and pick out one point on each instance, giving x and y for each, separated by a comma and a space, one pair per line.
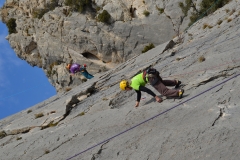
202, 125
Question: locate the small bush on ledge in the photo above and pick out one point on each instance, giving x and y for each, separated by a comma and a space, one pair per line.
146, 13
38, 13
147, 48
29, 111
2, 134
39, 115
104, 17
201, 59
11, 24
161, 10
79, 5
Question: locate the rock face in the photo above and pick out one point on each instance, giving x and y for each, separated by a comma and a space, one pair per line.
102, 123
61, 35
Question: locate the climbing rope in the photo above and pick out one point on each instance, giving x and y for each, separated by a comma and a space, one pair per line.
104, 141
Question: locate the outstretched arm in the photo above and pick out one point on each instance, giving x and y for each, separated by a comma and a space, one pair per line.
145, 89
138, 98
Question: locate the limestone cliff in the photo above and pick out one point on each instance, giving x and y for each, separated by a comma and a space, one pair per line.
50, 34
103, 124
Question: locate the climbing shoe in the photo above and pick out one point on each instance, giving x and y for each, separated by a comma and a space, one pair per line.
177, 83
180, 93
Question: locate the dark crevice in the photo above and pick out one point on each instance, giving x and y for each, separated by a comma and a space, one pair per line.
96, 155
15, 131
211, 79
74, 100
170, 45
89, 55
220, 115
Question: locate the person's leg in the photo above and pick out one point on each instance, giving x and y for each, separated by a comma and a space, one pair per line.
169, 82
87, 75
175, 83
161, 88
90, 76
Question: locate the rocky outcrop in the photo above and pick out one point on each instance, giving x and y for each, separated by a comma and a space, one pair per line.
62, 35
103, 124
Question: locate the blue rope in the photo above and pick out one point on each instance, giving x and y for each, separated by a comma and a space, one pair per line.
153, 117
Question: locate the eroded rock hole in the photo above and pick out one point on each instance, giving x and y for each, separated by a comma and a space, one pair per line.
90, 56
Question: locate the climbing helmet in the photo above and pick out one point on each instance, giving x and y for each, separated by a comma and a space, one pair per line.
123, 84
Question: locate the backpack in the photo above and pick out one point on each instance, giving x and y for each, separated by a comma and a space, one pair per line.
68, 66
152, 71
153, 76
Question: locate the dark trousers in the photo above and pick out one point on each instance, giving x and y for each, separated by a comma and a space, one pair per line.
160, 86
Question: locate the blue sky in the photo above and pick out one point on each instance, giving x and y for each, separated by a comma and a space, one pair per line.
21, 85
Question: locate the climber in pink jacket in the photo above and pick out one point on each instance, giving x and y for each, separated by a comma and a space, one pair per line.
74, 68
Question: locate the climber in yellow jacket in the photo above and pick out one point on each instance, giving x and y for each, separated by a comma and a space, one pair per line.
138, 84
152, 76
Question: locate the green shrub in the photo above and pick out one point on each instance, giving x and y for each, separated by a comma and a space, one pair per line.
50, 70
52, 5
193, 18
186, 7
201, 59
49, 73
51, 124
146, 13
29, 111
219, 22
161, 10
11, 24
18, 138
2, 134
229, 20
39, 115
79, 5
98, 8
209, 26
147, 48
81, 114
104, 17
206, 7
38, 13
47, 151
